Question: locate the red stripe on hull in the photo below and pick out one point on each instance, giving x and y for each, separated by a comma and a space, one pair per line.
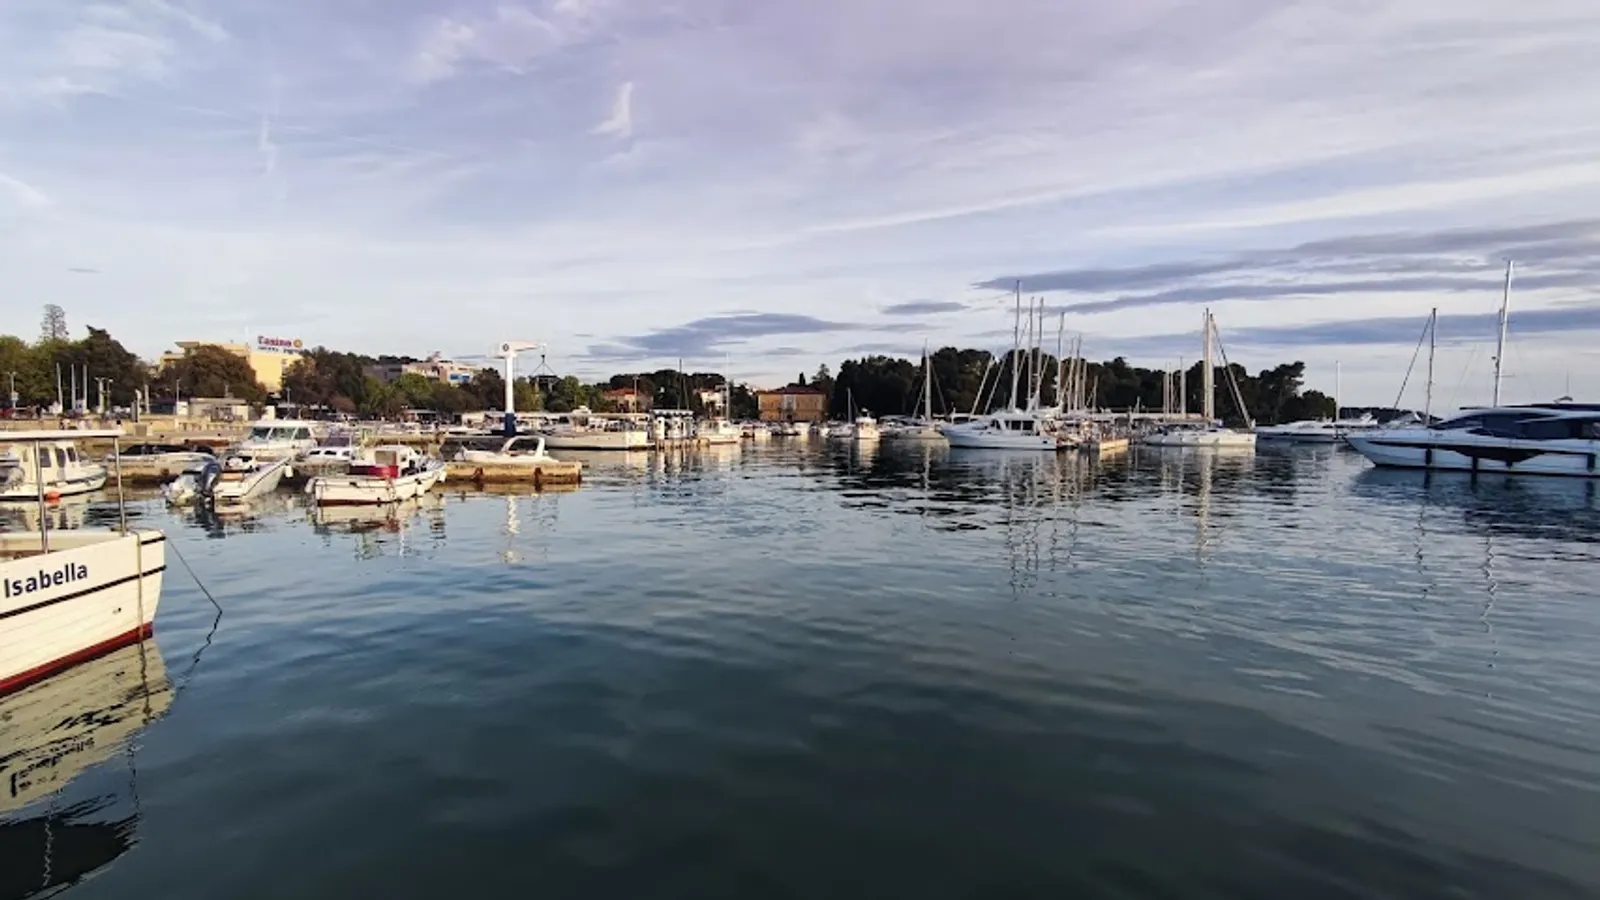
39, 673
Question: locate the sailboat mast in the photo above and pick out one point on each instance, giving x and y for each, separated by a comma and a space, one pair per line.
1208, 386
1016, 344
1338, 410
1427, 394
1500, 342
1183, 389
927, 386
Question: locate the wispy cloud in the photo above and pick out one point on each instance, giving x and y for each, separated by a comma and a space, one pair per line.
923, 307
23, 192
473, 165
620, 123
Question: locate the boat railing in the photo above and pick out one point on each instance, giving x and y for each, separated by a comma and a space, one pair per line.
76, 434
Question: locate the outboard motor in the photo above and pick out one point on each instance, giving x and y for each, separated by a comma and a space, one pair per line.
508, 425
205, 478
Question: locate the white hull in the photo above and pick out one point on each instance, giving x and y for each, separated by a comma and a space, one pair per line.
366, 490
967, 437
236, 487
59, 727
596, 440
1304, 437
93, 592
1208, 438
1421, 448
92, 478
160, 467
925, 434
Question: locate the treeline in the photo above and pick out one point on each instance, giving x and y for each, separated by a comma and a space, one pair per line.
964, 380
892, 386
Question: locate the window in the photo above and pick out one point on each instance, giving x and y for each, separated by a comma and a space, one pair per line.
302, 434
260, 433
1507, 425
1461, 423
61, 458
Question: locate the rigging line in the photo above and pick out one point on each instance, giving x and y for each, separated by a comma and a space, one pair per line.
196, 578
1414, 354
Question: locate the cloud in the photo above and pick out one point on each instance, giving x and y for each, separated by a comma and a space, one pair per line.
1433, 264
515, 38
711, 336
23, 192
922, 307
620, 123
459, 166
1392, 331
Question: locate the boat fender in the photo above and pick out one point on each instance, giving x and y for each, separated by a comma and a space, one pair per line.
538, 479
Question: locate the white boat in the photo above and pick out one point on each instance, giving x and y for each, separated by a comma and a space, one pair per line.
526, 450
277, 439
154, 462
69, 596
917, 430
796, 429
389, 474
1009, 429
864, 430
1209, 433
1560, 438
1536, 439
717, 431
1202, 435
236, 479
581, 431
755, 431
30, 469
1317, 431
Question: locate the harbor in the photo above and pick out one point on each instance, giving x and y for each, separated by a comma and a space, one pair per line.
476, 660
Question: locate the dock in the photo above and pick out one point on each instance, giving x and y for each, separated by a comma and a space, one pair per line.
554, 472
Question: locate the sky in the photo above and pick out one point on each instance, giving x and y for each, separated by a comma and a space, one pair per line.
763, 187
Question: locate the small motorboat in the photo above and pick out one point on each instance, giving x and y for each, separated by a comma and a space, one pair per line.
31, 469
389, 474
238, 478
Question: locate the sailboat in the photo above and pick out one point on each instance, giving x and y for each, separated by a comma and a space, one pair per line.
1557, 438
1015, 427
1209, 433
919, 429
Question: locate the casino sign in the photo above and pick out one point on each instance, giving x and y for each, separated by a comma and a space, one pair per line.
279, 345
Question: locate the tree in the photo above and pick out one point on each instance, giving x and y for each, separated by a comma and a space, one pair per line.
210, 371
105, 357
416, 391
53, 326
527, 397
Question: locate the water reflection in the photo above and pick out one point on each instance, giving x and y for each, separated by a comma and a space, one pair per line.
1564, 509
53, 733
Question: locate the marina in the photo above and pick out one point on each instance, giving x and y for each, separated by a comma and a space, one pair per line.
1008, 612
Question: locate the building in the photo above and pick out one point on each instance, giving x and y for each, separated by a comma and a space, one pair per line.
793, 403
434, 368
627, 399
269, 357
711, 401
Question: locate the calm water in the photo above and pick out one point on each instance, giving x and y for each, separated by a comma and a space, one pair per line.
794, 673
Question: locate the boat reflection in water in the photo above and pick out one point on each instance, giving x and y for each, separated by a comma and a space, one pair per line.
53, 732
